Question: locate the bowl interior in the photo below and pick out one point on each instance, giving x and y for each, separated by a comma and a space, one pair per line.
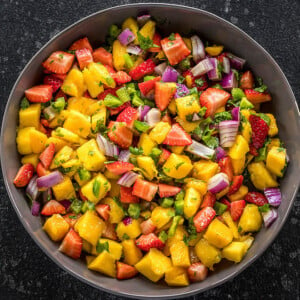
171, 18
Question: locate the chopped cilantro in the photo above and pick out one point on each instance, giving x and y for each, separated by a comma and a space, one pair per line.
141, 126
24, 103
102, 247
222, 116
178, 165
172, 37
96, 188
145, 42
265, 208
136, 151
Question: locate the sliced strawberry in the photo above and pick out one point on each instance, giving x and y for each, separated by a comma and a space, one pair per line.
59, 62
147, 226
115, 111
71, 219
81, 44
253, 150
61, 94
256, 198
177, 136
119, 167
109, 231
53, 207
209, 200
45, 122
143, 69
47, 155
103, 211
125, 271
247, 80
103, 56
24, 175
126, 195
62, 77
71, 244
144, 189
175, 49
156, 41
197, 272
200, 82
120, 134
164, 156
203, 218
225, 165
111, 70
260, 131
257, 97
106, 92
39, 93
148, 86
165, 190
41, 170
212, 99
128, 115
52, 80
121, 77
236, 209
84, 57
147, 241
221, 57
164, 92
236, 184
226, 202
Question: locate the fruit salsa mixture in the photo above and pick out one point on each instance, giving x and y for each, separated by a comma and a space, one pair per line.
150, 154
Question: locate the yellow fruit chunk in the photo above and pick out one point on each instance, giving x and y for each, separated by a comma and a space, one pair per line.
114, 248
131, 24
94, 87
31, 159
30, 116
247, 112
172, 107
61, 157
132, 254
177, 166
160, 132
90, 227
218, 234
146, 143
240, 194
192, 201
238, 165
187, 106
81, 104
99, 118
131, 230
37, 140
214, 50
104, 263
208, 254
178, 236
148, 29
239, 148
273, 129
56, 227
275, 142
101, 74
147, 165
154, 265
116, 213
186, 125
176, 276
276, 161
74, 84
250, 220
231, 224
234, 251
205, 169
115, 189
180, 255
177, 149
248, 241
64, 190
188, 43
78, 123
111, 175
71, 167
59, 119
59, 143
118, 55
161, 216
247, 131
199, 185
66, 135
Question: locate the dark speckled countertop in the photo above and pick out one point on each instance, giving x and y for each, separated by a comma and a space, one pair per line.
25, 25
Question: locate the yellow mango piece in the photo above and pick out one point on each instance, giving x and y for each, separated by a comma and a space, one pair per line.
111, 175
89, 259
239, 148
188, 43
146, 143
104, 263
177, 166
95, 107
114, 248
220, 109
63, 155
240, 194
101, 74
231, 224
98, 118
118, 55
192, 201
248, 241
148, 29
247, 112
238, 165
81, 104
187, 106
199, 185
246, 131
132, 230
177, 276
80, 181
186, 125
37, 141
116, 213
73, 84
275, 142
234, 251
30, 159
71, 167
131, 24
160, 132
78, 123
30, 116
276, 161
64, 190
207, 253
178, 236
273, 129
132, 254
214, 50
205, 169
147, 165
161, 216
59, 119
56, 227
251, 219
180, 255
94, 87
59, 143
115, 189
66, 135
177, 149
172, 107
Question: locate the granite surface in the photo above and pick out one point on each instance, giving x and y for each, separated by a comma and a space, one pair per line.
25, 25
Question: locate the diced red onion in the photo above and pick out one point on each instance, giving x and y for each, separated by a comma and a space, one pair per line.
196, 117
47, 195
153, 117
220, 153
229, 81
124, 155
127, 221
128, 179
65, 203
202, 67
35, 208
142, 111
273, 196
143, 19
235, 61
49, 113
214, 74
32, 189
197, 49
181, 91
169, 75
228, 131
108, 148
126, 37
235, 112
270, 216
218, 183
226, 65
134, 49
49, 180
200, 150
159, 69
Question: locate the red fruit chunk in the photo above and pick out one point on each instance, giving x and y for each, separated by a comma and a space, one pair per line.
256, 198
147, 226
41, 170
143, 69
71, 244
52, 80
126, 195
24, 175
47, 155
121, 77
119, 167
103, 56
39, 93
115, 111
165, 190
236, 209
156, 42
164, 92
128, 115
148, 241
257, 97
226, 167
59, 62
84, 57
147, 86
53, 207
177, 136
164, 156
259, 131
125, 271
203, 218
81, 44
209, 200
197, 272
236, 184
247, 80
120, 134
226, 202
103, 211
202, 83
109, 232
144, 189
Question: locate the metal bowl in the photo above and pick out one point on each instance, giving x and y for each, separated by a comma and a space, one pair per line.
171, 18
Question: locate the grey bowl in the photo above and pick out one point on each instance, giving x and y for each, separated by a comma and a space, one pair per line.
173, 18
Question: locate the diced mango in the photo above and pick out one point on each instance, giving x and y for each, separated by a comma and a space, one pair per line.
248, 241
207, 253
73, 84
118, 55
186, 125
104, 263
176, 276
78, 123
147, 165
178, 236
99, 118
276, 161
114, 248
234, 251
180, 254
111, 175
192, 201
231, 224
188, 42
177, 149
199, 185
30, 116
115, 189
247, 131
146, 143
160, 131
205, 169
148, 29
94, 87
177, 166
64, 190
214, 50
23, 140
275, 142
101, 74
187, 106
240, 194
172, 107
161, 216
59, 143
81, 104
238, 165
116, 213
61, 157
273, 129
251, 219
71, 166
56, 227
132, 230
66, 135
37, 141
239, 148
31, 159
132, 254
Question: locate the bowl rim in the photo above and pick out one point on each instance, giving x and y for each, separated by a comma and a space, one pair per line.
54, 258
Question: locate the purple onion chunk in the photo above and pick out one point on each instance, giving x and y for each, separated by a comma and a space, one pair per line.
198, 50
142, 111
143, 19
235, 61
159, 69
49, 180
200, 150
229, 81
126, 37
220, 153
235, 112
273, 196
270, 216
169, 75
202, 67
228, 130
128, 179
35, 208
127, 221
124, 155
134, 49
214, 74
32, 190
226, 65
181, 91
217, 183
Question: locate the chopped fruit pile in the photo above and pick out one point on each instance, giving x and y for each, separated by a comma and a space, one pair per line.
149, 154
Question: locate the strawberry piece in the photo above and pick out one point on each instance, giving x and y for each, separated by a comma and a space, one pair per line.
203, 80
144, 189
102, 95
175, 49
47, 155
53, 207
125, 271
61, 94
165, 190
147, 226
148, 86
71, 244
247, 80
120, 134
225, 165
103, 56
212, 99
203, 218
126, 195
252, 150
115, 111
236, 209
197, 272
143, 69
257, 97
226, 202
39, 93
121, 77
71, 219
109, 231
45, 122
156, 41
41, 170
147, 241
52, 80
110, 69
166, 118
164, 92
62, 77
164, 156
128, 115
103, 211
84, 57
209, 200
24, 175
86, 94
221, 57
177, 136
119, 167
59, 62
260, 131
81, 196
81, 44
256, 198
236, 184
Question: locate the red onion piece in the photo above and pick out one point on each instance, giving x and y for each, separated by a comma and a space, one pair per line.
65, 203
229, 81
228, 131
197, 49
159, 69
218, 183
235, 112
220, 153
128, 179
273, 196
32, 189
124, 155
226, 65
143, 19
35, 208
127, 221
50, 112
269, 217
200, 150
47, 195
195, 117
202, 67
49, 180
108, 148
235, 61
142, 111
134, 49
153, 117
126, 37
169, 75
181, 91
214, 74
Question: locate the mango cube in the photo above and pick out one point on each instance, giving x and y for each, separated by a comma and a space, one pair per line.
186, 125
192, 201
251, 219
231, 224
30, 116
73, 84
207, 253
114, 248
187, 106
31, 159
148, 29
180, 254
131, 24
234, 251
177, 276
205, 169
178, 236
239, 148
62, 156
116, 213
56, 227
64, 190
160, 132
98, 118
276, 161
132, 254
78, 123
104, 263
132, 230
101, 74
177, 166
118, 55
161, 216
59, 119
146, 143
94, 87
71, 166
238, 165
273, 129
59, 143
66, 134
199, 185
81, 104
240, 194
147, 165
247, 131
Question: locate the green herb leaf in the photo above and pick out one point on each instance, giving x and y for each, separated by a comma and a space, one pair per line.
136, 151
96, 188
265, 208
76, 206
84, 174
100, 247
144, 42
172, 37
222, 116
261, 88
24, 103
141, 126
